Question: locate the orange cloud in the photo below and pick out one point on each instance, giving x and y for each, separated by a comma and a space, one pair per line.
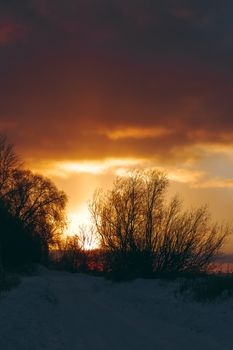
136, 133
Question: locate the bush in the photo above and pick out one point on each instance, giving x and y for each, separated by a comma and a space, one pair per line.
127, 266
72, 257
208, 288
141, 233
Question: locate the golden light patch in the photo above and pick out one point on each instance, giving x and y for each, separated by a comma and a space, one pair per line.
215, 183
65, 168
185, 175
135, 133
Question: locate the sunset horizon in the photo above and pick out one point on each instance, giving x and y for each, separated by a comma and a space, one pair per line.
89, 92
116, 174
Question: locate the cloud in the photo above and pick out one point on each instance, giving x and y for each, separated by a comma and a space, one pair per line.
90, 89
6, 126
125, 79
11, 32
42, 7
135, 133
65, 169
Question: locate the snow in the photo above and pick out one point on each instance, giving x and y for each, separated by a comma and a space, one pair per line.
57, 310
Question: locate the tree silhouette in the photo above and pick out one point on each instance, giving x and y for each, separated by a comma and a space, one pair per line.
18, 245
32, 208
141, 233
9, 162
39, 206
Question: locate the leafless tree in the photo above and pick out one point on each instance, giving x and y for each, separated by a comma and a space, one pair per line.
38, 204
188, 240
28, 201
70, 253
126, 217
76, 250
9, 161
87, 237
136, 227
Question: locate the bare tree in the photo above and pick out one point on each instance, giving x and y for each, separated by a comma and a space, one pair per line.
9, 161
188, 240
127, 216
87, 237
139, 231
70, 253
39, 205
76, 251
29, 204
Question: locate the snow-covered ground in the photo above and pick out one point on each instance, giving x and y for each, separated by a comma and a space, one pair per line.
58, 310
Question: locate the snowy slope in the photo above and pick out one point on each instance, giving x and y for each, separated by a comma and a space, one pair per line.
58, 310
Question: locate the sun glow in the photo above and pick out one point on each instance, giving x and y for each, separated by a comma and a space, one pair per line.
97, 167
80, 224
78, 218
65, 168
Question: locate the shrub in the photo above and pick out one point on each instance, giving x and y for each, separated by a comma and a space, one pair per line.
73, 258
208, 288
142, 234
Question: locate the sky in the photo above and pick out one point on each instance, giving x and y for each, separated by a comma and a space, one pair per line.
92, 88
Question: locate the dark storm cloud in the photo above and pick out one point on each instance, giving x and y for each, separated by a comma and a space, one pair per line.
73, 69
134, 24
